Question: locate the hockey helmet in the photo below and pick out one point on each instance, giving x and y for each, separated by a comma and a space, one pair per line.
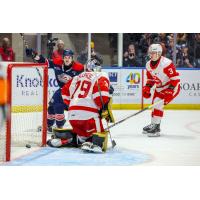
93, 65
68, 52
155, 48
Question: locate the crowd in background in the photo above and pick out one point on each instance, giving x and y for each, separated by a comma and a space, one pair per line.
187, 48
135, 49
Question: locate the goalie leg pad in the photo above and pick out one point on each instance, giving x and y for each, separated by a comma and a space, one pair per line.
100, 139
54, 142
63, 133
57, 142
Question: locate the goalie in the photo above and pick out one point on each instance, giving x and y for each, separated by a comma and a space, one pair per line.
88, 96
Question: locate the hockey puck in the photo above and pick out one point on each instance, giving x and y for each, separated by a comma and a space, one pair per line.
28, 146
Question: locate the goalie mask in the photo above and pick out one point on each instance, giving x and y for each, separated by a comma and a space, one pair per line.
93, 65
155, 52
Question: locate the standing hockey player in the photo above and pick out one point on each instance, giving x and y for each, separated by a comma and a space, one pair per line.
63, 74
88, 96
161, 73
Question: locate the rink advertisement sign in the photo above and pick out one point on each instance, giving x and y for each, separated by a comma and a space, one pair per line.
127, 85
131, 80
190, 87
27, 84
115, 79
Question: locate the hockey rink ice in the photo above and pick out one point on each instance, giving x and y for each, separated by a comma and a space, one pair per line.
179, 144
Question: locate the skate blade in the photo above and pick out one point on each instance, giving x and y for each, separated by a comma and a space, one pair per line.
154, 134
144, 132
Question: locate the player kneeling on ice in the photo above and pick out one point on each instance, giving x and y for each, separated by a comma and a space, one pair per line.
88, 96
162, 75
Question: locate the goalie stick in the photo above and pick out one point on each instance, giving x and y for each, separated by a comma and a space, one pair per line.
134, 114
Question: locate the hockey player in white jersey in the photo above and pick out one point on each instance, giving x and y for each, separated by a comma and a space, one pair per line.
164, 79
88, 96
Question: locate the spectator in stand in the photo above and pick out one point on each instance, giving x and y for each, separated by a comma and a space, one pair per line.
130, 59
169, 53
6, 52
183, 58
163, 38
57, 55
195, 49
181, 38
83, 57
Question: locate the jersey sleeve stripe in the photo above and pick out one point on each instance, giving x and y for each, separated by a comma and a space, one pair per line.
83, 108
103, 93
174, 78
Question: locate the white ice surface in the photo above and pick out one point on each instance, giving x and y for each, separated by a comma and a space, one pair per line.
179, 143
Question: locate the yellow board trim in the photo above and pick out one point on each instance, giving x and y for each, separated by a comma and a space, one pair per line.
38, 108
181, 106
24, 109
170, 106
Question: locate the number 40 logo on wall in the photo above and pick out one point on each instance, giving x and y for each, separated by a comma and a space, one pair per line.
133, 78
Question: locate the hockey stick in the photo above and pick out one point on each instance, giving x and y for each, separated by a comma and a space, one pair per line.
26, 46
134, 114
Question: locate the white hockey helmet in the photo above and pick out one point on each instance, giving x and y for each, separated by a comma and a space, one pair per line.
93, 65
155, 48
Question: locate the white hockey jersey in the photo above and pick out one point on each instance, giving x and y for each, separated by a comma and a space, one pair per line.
86, 94
162, 74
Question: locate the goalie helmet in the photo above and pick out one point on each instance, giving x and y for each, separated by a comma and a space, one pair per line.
93, 65
155, 49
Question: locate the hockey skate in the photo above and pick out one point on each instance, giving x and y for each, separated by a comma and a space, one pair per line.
154, 130
91, 148
147, 128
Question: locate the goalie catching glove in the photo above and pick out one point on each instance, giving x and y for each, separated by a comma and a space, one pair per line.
106, 113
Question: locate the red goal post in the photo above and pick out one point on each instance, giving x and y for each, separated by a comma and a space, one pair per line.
42, 71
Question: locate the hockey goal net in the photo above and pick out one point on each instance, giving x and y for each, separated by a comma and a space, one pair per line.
26, 109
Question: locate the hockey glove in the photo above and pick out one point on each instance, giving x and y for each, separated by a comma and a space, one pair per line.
168, 95
111, 90
146, 92
31, 53
107, 112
